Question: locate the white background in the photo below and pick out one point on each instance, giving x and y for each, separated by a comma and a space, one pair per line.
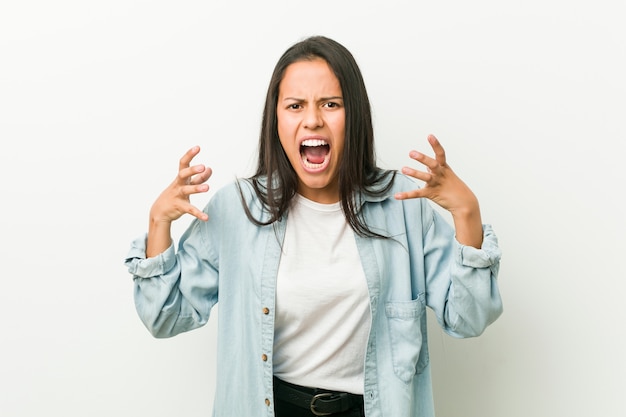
99, 99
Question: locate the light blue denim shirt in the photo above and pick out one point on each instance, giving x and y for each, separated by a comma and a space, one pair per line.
230, 259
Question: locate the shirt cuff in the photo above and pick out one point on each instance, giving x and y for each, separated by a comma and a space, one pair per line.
488, 255
140, 266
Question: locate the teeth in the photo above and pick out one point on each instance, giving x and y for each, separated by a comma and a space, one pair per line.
314, 142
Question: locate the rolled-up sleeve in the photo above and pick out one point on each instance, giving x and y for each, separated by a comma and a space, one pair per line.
141, 267
174, 291
474, 300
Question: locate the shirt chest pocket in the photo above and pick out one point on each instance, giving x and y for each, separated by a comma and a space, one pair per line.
407, 332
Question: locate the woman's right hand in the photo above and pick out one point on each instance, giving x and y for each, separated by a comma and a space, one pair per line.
173, 202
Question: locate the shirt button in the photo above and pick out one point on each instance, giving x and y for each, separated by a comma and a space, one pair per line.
266, 310
264, 357
267, 402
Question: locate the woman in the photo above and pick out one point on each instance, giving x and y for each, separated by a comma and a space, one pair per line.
322, 262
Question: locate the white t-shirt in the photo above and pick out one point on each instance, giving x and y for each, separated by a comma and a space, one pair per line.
322, 304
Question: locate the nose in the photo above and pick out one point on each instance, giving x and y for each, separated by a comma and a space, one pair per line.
313, 118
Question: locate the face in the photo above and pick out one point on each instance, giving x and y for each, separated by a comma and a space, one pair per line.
311, 127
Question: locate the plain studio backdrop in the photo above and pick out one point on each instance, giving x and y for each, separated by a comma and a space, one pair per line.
100, 99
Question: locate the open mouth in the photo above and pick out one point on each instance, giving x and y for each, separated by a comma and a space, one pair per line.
314, 153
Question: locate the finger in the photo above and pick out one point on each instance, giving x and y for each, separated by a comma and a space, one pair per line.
405, 195
199, 214
186, 175
440, 154
185, 161
429, 162
420, 175
199, 174
188, 190
192, 210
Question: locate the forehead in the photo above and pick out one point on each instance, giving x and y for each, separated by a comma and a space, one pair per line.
309, 76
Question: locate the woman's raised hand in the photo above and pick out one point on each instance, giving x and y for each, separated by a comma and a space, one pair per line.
444, 187
173, 202
441, 184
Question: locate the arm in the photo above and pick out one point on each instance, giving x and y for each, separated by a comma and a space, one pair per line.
174, 292
461, 281
464, 296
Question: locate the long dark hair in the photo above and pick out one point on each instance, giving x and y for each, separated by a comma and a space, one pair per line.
275, 181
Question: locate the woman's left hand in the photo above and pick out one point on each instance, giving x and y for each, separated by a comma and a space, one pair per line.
445, 188
441, 184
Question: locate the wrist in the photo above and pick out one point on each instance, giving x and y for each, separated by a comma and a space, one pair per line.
159, 236
468, 226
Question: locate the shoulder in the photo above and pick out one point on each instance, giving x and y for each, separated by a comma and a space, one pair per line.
231, 198
404, 182
380, 202
231, 193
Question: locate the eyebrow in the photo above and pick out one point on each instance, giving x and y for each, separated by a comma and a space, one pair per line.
321, 99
